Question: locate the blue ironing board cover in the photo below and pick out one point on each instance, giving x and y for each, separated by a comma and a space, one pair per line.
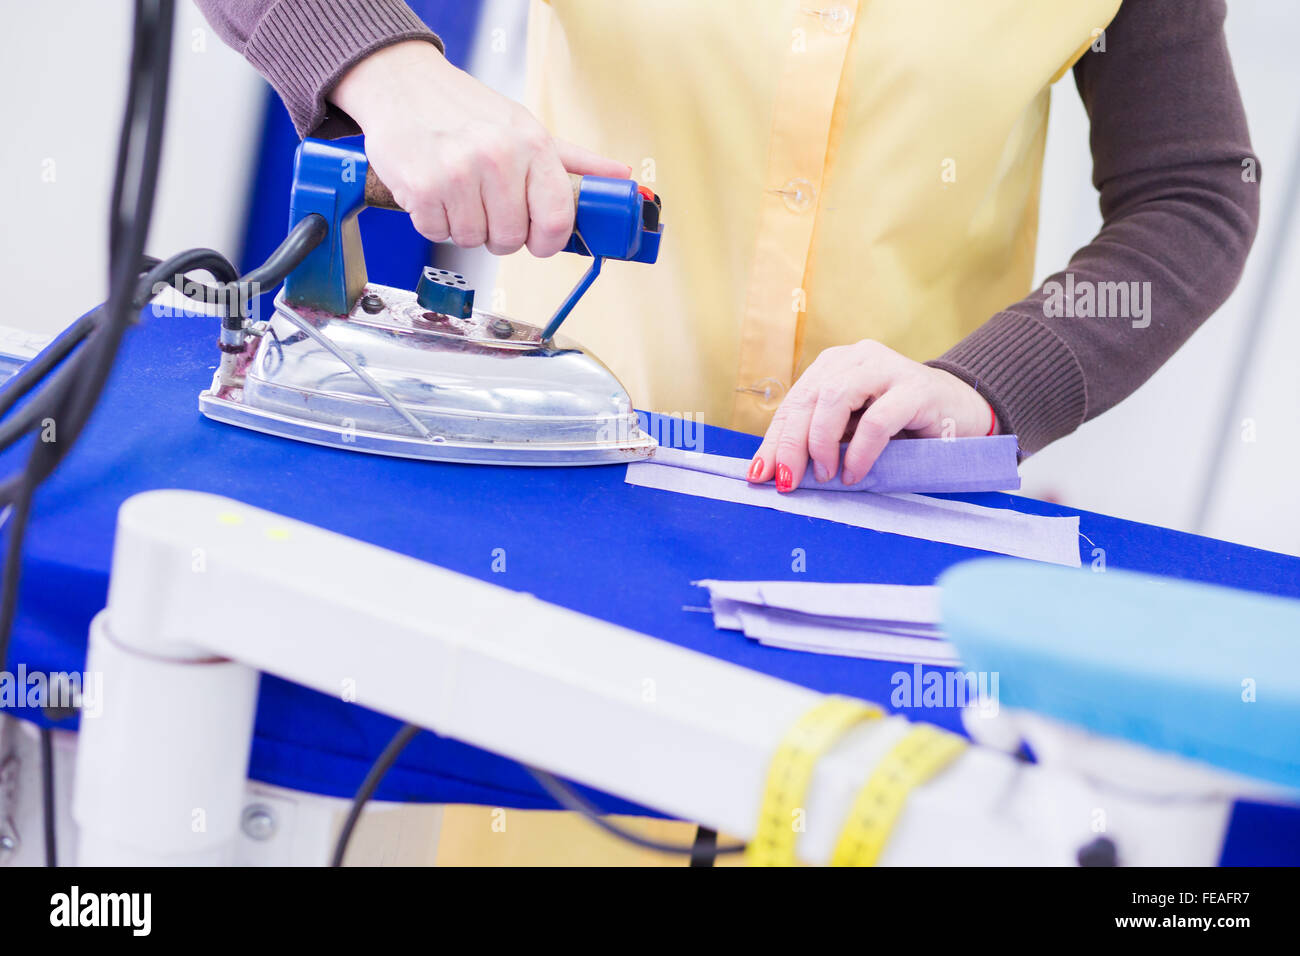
1207, 672
578, 537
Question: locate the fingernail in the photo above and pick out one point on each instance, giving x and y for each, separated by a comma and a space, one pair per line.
784, 479
848, 479
820, 472
755, 469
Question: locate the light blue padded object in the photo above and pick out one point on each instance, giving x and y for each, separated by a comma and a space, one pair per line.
1162, 662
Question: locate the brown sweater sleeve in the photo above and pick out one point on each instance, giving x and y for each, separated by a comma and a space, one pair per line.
303, 47
1180, 204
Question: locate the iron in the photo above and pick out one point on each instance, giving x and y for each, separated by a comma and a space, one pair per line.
422, 374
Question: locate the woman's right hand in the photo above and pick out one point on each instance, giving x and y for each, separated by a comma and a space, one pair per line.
467, 163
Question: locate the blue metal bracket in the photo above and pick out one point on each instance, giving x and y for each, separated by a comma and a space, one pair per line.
329, 180
610, 223
567, 305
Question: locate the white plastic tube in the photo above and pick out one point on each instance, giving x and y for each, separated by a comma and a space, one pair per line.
161, 770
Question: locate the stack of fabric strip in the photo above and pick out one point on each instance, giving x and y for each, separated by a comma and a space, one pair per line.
886, 622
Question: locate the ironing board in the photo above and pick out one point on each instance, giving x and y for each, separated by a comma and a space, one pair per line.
580, 538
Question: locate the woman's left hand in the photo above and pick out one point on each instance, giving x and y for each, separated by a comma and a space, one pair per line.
898, 395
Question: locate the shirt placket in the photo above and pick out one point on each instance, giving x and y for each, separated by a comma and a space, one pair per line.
802, 112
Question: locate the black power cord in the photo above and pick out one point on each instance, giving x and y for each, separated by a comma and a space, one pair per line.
306, 235
48, 802
574, 802
170, 272
69, 396
35, 371
369, 786
556, 789
70, 385
62, 385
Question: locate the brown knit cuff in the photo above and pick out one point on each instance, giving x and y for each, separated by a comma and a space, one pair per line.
1028, 374
303, 47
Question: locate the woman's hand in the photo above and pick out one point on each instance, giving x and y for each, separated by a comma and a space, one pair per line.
898, 395
468, 164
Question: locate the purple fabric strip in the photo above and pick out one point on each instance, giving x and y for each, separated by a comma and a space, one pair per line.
907, 465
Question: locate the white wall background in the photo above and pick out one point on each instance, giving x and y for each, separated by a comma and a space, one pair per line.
65, 65
1145, 460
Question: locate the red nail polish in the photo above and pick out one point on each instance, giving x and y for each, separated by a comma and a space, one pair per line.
755, 469
784, 479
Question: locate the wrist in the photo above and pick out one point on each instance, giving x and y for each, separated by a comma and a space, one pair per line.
373, 87
971, 412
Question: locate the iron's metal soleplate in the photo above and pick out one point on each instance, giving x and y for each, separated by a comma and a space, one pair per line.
408, 383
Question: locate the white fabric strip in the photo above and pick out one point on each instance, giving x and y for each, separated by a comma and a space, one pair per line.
888, 622
727, 617
863, 602
789, 631
1053, 540
874, 652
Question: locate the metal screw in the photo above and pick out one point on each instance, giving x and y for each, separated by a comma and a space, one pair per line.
501, 328
258, 822
371, 304
1099, 852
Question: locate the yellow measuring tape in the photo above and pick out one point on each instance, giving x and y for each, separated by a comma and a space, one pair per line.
779, 820
921, 754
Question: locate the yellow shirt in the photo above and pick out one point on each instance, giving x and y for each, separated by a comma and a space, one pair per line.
829, 172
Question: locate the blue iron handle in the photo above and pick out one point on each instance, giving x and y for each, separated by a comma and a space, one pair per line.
614, 220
